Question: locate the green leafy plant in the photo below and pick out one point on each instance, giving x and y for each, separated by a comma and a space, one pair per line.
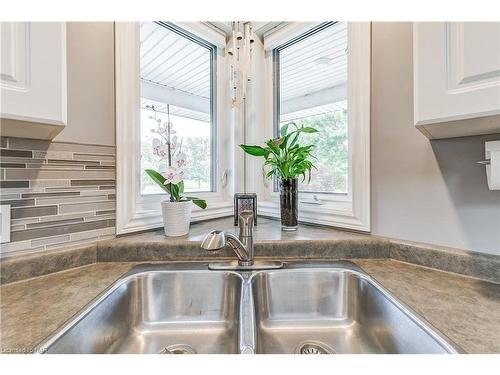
175, 190
285, 157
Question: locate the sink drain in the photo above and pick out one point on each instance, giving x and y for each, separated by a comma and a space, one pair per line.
177, 349
313, 347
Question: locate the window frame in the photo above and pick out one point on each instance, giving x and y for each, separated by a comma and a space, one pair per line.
237, 171
134, 211
350, 210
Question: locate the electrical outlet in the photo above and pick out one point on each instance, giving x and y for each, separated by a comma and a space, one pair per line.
4, 223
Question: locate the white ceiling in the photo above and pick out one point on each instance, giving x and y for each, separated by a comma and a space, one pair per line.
259, 28
176, 111
307, 68
314, 64
314, 111
171, 60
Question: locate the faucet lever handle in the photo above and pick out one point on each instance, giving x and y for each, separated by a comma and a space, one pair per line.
245, 223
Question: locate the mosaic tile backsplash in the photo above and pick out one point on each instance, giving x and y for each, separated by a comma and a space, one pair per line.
61, 194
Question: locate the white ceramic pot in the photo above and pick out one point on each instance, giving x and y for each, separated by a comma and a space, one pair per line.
176, 217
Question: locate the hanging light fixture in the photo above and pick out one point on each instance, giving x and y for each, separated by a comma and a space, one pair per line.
240, 53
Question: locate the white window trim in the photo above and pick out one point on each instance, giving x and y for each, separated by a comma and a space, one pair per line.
352, 211
288, 32
136, 212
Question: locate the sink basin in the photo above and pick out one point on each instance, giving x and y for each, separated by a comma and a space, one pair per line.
322, 311
305, 308
165, 311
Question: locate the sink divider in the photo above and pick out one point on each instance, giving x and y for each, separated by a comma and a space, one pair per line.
247, 329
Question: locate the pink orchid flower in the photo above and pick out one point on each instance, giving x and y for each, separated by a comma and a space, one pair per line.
172, 176
181, 160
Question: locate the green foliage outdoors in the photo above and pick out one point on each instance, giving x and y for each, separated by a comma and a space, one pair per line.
197, 173
331, 151
197, 150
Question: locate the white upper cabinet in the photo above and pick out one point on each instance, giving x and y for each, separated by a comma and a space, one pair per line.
456, 67
33, 79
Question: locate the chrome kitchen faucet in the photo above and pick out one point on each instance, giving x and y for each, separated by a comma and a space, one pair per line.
242, 246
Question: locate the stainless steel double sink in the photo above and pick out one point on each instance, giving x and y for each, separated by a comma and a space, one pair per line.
304, 308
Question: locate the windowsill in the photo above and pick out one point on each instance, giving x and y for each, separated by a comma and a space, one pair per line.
338, 214
151, 219
267, 229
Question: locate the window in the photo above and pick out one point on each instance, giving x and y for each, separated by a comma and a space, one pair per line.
176, 71
170, 70
311, 90
302, 72
318, 74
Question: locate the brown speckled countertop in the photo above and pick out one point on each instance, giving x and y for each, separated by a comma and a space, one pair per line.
463, 308
308, 242
31, 309
266, 230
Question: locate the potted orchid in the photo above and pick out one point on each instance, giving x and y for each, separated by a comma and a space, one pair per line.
176, 210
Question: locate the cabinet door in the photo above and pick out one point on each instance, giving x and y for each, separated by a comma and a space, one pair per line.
33, 78
456, 78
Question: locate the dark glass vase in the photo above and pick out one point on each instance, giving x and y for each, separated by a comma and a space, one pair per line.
289, 203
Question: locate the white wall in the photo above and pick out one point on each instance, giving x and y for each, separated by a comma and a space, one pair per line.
431, 192
91, 103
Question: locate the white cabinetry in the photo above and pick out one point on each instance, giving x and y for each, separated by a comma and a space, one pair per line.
456, 67
33, 79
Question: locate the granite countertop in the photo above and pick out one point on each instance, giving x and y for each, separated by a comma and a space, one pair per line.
31, 309
308, 243
266, 230
463, 308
